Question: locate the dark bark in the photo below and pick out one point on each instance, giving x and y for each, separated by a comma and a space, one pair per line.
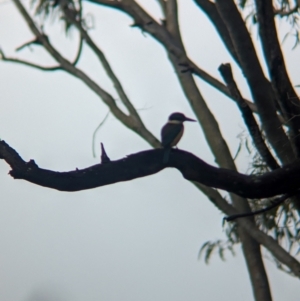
280, 181
275, 203
209, 8
248, 117
286, 95
260, 87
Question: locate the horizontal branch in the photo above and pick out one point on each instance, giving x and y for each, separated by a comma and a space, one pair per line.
280, 181
26, 63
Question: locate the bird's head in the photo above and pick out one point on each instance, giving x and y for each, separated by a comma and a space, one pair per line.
179, 118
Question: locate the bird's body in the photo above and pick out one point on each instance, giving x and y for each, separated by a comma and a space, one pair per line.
172, 132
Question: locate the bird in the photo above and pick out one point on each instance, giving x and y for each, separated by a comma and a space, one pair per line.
172, 132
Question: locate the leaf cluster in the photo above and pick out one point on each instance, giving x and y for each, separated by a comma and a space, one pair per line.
55, 10
282, 222
220, 246
283, 9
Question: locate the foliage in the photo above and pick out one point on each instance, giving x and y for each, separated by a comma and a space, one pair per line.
283, 9
54, 10
282, 222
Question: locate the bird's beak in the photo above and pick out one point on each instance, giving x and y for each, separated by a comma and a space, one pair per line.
189, 119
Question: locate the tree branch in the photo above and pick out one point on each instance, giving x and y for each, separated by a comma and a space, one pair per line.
79, 51
192, 67
286, 95
35, 41
171, 15
129, 121
274, 204
29, 64
104, 63
209, 8
260, 87
280, 181
159, 33
253, 128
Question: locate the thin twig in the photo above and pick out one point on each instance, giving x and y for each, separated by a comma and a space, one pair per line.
79, 51
274, 204
35, 41
130, 121
95, 132
104, 63
104, 157
26, 63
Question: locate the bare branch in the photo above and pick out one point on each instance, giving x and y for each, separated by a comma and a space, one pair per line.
159, 33
105, 64
172, 25
162, 4
29, 64
110, 3
260, 87
35, 41
132, 123
212, 13
286, 95
150, 162
216, 83
96, 130
79, 51
249, 119
104, 158
274, 204
280, 181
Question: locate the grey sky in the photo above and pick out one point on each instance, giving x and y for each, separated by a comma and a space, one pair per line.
129, 241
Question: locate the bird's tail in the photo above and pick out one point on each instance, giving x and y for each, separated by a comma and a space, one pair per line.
166, 155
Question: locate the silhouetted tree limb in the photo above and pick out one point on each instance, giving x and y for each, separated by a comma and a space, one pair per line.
253, 128
286, 95
280, 181
274, 204
159, 33
150, 162
260, 87
209, 8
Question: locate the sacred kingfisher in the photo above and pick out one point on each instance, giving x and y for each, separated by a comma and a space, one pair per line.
171, 132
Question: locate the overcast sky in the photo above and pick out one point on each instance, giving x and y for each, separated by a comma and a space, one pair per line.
130, 241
